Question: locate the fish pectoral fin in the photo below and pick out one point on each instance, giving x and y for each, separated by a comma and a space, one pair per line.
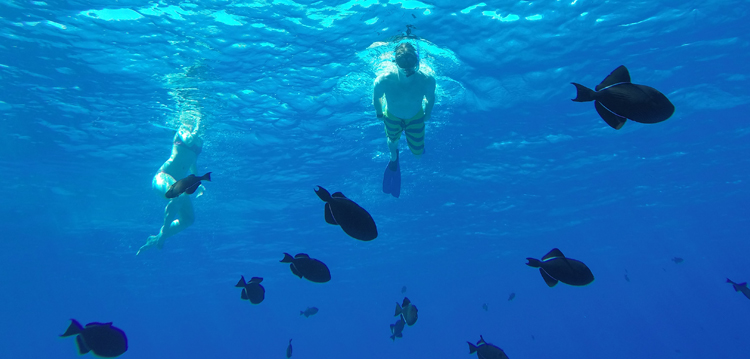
329, 215
612, 119
82, 348
551, 282
619, 75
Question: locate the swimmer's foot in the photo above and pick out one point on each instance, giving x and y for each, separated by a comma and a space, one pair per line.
392, 178
151, 242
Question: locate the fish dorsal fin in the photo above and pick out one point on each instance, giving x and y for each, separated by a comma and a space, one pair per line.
553, 254
255, 280
619, 75
96, 324
301, 255
338, 195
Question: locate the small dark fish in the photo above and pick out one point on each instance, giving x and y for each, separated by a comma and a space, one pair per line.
408, 310
486, 350
304, 266
740, 287
289, 350
617, 99
252, 290
412, 15
555, 267
353, 219
397, 329
403, 289
187, 185
102, 339
308, 312
677, 260
626, 278
484, 306
511, 296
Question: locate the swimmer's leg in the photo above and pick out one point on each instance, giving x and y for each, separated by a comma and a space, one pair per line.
182, 206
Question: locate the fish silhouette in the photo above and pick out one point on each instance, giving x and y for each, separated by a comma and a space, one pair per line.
353, 219
555, 267
309, 268
617, 99
102, 339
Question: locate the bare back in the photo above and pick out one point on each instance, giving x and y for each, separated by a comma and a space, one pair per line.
185, 150
404, 96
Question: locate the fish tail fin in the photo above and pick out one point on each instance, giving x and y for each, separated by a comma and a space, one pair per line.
301, 312
73, 329
323, 194
472, 348
287, 258
398, 309
534, 262
206, 177
241, 283
584, 94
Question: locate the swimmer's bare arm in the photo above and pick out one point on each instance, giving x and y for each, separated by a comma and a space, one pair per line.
430, 97
377, 95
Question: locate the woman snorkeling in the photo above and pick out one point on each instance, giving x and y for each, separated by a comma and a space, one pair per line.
186, 147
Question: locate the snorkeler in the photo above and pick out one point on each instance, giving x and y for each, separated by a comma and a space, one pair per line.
178, 214
402, 110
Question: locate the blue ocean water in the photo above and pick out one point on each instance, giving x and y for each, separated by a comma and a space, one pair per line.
90, 91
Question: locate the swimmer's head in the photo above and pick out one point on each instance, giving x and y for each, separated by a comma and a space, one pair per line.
407, 59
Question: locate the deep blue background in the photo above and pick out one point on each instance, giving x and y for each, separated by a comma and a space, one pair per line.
513, 169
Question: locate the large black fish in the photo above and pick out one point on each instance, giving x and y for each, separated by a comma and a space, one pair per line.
397, 329
408, 310
252, 290
617, 99
555, 267
187, 185
740, 287
486, 350
304, 266
353, 219
102, 339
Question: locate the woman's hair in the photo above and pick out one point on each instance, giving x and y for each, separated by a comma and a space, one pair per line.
406, 55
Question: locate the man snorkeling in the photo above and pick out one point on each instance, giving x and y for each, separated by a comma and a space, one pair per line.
405, 91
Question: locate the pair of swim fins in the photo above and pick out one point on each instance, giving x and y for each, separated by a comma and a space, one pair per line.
392, 178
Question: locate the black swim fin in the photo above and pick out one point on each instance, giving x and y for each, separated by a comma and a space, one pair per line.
392, 178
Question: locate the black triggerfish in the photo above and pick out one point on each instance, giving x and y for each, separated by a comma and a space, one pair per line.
555, 267
617, 99
486, 350
187, 185
309, 268
740, 287
102, 339
353, 219
252, 290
